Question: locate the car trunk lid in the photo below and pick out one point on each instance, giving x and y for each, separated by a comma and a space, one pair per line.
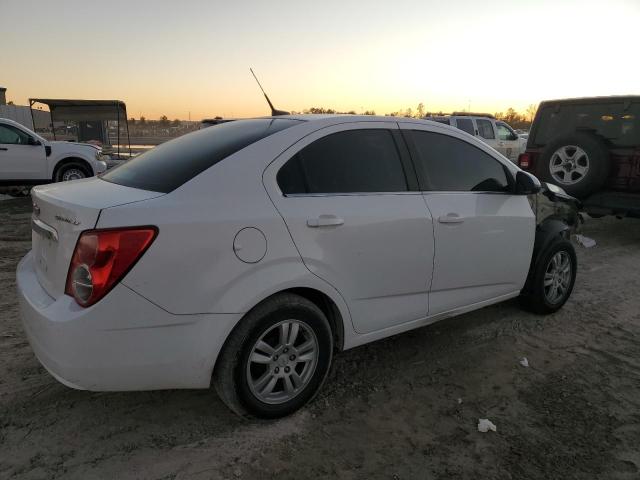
62, 211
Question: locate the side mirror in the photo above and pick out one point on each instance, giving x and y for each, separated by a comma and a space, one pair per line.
527, 184
33, 141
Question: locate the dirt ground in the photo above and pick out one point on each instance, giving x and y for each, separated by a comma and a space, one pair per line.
403, 408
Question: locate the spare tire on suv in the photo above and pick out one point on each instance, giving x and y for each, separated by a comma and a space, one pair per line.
579, 163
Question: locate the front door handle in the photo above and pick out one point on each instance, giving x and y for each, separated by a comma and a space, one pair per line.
451, 218
4, 148
325, 221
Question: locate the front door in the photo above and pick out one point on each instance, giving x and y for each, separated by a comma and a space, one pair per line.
345, 196
18, 159
508, 141
483, 232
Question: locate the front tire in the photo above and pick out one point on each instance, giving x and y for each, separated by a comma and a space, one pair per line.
551, 279
276, 359
71, 171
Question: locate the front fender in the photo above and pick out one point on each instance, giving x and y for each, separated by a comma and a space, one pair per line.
550, 230
57, 157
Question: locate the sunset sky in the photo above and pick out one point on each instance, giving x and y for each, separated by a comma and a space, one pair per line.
175, 57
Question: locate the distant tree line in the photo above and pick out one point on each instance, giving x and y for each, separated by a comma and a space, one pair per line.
511, 116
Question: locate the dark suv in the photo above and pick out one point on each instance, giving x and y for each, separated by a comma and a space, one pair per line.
591, 148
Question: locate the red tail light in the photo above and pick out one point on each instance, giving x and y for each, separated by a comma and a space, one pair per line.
102, 258
524, 160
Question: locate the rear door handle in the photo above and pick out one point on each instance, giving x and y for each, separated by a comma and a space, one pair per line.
325, 221
3, 148
451, 218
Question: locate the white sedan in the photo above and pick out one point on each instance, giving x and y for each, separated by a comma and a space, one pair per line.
248, 252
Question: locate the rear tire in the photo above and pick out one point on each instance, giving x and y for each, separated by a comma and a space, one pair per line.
579, 163
250, 376
71, 171
549, 287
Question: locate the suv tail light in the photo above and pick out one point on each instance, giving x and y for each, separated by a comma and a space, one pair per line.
102, 258
524, 160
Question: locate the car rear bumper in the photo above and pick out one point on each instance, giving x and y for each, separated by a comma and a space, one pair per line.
123, 342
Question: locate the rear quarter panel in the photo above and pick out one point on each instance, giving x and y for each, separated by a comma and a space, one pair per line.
191, 266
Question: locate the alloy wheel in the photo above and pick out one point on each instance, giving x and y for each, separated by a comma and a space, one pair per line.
282, 362
72, 174
557, 277
569, 164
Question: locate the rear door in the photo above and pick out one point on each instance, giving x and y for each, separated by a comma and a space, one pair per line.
486, 132
18, 159
348, 194
483, 232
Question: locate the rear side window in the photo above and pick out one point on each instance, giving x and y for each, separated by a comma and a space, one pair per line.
171, 164
485, 129
465, 124
452, 165
354, 161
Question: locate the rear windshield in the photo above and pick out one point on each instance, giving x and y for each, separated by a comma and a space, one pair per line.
617, 122
170, 165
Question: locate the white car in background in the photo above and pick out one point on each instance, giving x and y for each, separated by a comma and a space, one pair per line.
27, 158
245, 253
495, 133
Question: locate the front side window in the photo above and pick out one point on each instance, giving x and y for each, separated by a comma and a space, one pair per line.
485, 129
353, 161
465, 124
452, 165
10, 135
505, 133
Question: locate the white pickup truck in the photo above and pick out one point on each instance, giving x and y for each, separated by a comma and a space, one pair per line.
27, 158
486, 128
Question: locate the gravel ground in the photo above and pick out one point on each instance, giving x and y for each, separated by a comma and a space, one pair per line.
403, 408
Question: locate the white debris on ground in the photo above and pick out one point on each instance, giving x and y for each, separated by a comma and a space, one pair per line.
484, 425
5, 197
459, 401
585, 241
524, 362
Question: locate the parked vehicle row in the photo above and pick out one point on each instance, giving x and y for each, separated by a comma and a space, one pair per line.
27, 158
247, 253
591, 148
495, 133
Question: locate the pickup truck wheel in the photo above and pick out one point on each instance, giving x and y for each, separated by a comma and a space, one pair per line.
71, 171
276, 359
579, 163
553, 277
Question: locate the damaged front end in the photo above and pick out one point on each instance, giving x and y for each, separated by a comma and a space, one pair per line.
553, 203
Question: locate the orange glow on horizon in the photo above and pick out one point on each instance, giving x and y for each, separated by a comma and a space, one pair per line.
194, 61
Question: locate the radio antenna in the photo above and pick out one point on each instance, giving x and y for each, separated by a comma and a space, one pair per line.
274, 112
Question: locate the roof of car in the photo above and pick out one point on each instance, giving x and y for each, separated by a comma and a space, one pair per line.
11, 122
310, 117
